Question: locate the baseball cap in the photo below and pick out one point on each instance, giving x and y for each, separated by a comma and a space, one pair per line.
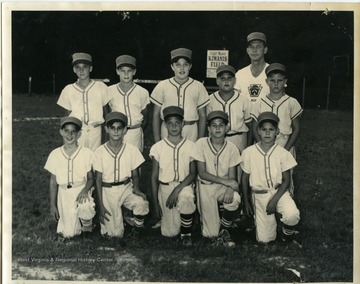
115, 115
275, 67
268, 116
173, 111
256, 36
81, 57
217, 114
225, 68
181, 53
126, 60
70, 119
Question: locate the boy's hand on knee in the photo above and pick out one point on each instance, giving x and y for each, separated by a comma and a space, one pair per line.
271, 206
138, 192
173, 198
103, 211
83, 197
233, 184
229, 195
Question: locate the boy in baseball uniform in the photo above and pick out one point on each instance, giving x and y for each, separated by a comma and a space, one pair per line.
71, 182
173, 172
85, 99
234, 104
116, 166
130, 99
250, 80
184, 92
265, 180
285, 107
217, 160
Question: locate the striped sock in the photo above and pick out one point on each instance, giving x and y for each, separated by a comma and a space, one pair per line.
288, 230
227, 219
139, 221
221, 209
186, 223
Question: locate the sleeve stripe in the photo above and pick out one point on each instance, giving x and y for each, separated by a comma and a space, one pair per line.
204, 104
297, 114
155, 101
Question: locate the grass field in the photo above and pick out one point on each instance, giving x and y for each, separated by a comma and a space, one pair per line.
323, 192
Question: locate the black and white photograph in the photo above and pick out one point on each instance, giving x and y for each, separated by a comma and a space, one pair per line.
180, 142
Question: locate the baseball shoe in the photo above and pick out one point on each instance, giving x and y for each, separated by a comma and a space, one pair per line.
186, 241
225, 239
157, 225
290, 239
134, 235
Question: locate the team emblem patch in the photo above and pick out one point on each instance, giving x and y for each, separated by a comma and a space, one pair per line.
255, 89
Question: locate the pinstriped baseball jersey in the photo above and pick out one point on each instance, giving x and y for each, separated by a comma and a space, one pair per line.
70, 170
117, 167
237, 108
251, 87
266, 169
190, 96
217, 162
174, 160
86, 105
131, 103
286, 108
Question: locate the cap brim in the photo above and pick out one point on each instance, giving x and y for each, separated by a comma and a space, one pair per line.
82, 61
126, 65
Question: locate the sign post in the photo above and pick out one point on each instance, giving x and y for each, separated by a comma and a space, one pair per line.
216, 58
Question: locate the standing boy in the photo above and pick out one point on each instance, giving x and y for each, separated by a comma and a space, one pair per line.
250, 80
266, 178
173, 172
234, 104
184, 92
130, 99
116, 166
217, 160
71, 182
85, 99
286, 108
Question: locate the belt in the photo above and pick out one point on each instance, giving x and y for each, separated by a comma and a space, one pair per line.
134, 126
261, 191
205, 183
190, 122
77, 184
93, 125
111, 184
233, 134
167, 183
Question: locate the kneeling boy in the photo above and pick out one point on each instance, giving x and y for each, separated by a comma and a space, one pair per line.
266, 173
173, 172
116, 166
217, 160
71, 182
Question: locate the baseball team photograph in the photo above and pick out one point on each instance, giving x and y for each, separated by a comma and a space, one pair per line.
180, 142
